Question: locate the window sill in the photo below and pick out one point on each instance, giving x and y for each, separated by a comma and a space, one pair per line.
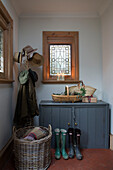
5, 81
62, 82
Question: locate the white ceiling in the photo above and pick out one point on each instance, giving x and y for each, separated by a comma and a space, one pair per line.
60, 7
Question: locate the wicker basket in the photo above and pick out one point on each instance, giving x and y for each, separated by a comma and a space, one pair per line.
89, 90
66, 98
32, 155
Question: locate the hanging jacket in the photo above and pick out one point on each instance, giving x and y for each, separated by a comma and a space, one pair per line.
26, 106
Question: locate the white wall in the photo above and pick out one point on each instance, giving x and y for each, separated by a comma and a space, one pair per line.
107, 50
30, 33
7, 91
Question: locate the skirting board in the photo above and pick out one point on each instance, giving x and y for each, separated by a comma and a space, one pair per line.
5, 153
111, 142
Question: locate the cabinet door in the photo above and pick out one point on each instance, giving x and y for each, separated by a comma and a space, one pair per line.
91, 121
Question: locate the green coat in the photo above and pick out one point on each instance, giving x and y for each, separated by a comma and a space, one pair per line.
26, 107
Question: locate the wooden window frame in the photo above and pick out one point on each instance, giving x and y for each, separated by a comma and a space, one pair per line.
6, 23
61, 37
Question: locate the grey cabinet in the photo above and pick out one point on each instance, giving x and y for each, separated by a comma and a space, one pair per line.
91, 118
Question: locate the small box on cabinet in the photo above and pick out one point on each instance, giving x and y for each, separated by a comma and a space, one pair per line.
89, 99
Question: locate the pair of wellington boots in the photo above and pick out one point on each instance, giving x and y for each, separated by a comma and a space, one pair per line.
74, 143
60, 135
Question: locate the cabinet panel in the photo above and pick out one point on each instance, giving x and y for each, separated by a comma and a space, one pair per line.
55, 122
96, 127
55, 117
100, 127
65, 117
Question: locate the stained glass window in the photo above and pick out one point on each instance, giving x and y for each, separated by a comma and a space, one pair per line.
1, 50
60, 59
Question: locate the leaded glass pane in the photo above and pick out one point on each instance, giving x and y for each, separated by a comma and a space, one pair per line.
60, 59
1, 50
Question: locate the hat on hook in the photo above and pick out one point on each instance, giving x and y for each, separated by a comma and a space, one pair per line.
36, 59
28, 50
18, 57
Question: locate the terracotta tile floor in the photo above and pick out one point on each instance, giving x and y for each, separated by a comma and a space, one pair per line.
93, 159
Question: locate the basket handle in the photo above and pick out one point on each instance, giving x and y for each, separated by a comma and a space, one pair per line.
14, 129
67, 90
80, 82
50, 128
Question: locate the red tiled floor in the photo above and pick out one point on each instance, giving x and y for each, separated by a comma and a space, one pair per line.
93, 159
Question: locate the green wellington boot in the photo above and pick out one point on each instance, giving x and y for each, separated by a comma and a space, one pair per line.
57, 151
63, 141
